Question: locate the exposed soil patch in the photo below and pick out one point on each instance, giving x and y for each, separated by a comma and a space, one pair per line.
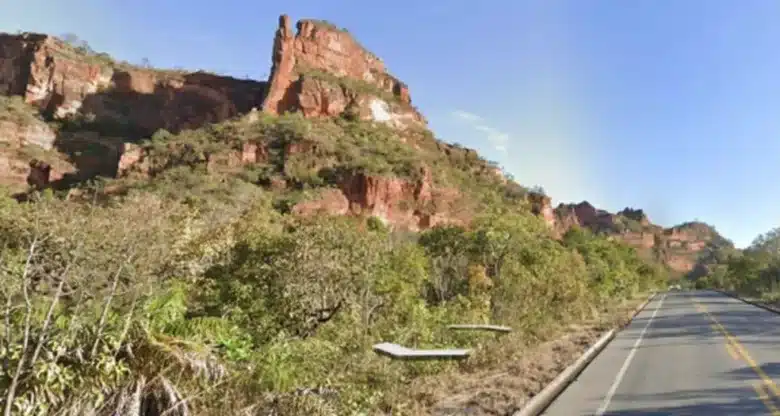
516, 373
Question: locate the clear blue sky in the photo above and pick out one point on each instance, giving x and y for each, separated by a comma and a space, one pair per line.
669, 106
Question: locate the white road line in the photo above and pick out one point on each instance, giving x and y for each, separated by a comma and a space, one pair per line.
630, 357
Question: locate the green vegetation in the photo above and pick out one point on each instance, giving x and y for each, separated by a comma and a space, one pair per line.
15, 110
626, 224
319, 153
753, 272
350, 84
21, 128
189, 287
151, 300
327, 25
70, 46
332, 26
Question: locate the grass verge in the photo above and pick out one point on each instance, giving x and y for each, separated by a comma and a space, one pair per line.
503, 375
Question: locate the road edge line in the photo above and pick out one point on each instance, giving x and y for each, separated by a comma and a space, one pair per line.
622, 372
539, 402
749, 302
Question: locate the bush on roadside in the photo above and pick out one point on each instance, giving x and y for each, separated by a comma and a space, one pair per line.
192, 290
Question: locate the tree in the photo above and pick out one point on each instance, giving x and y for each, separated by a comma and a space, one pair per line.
768, 242
71, 39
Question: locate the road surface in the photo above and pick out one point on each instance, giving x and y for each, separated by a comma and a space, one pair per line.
686, 353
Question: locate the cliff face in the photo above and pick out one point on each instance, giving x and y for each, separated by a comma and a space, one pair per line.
683, 248
541, 206
409, 204
27, 155
63, 81
95, 104
96, 108
322, 71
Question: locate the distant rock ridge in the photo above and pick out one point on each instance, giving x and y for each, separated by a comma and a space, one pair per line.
681, 247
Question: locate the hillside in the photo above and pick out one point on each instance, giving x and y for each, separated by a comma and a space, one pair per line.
100, 108
243, 243
686, 249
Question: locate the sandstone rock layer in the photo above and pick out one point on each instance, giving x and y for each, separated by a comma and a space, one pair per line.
323, 72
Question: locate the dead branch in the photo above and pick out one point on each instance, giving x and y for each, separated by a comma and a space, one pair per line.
47, 321
106, 307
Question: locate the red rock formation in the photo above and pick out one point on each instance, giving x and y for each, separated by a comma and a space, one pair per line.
28, 132
642, 239
40, 175
252, 153
323, 71
404, 204
680, 247
23, 141
38, 68
585, 215
17, 175
541, 205
61, 81
132, 158
637, 215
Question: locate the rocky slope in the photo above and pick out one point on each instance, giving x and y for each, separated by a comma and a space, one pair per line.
322, 71
96, 104
63, 80
354, 143
27, 155
685, 248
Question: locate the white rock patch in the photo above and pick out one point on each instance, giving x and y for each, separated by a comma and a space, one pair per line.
70, 109
380, 111
36, 93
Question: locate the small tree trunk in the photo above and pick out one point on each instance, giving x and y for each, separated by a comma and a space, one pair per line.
106, 308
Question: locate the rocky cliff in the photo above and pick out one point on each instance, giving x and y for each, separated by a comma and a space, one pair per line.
322, 71
354, 144
94, 104
27, 154
63, 81
684, 248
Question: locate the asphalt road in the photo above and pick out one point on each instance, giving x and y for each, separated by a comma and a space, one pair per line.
686, 353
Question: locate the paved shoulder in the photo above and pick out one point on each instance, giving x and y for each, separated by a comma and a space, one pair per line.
678, 358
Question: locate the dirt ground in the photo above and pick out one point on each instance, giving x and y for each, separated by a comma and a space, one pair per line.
520, 374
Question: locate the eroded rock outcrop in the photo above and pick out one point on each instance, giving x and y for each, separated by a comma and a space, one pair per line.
322, 71
400, 203
62, 81
27, 157
681, 248
637, 215
318, 71
541, 205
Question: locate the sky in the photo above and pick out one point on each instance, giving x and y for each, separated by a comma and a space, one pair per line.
668, 106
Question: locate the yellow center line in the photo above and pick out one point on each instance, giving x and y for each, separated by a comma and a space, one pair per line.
732, 352
735, 348
766, 399
715, 328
